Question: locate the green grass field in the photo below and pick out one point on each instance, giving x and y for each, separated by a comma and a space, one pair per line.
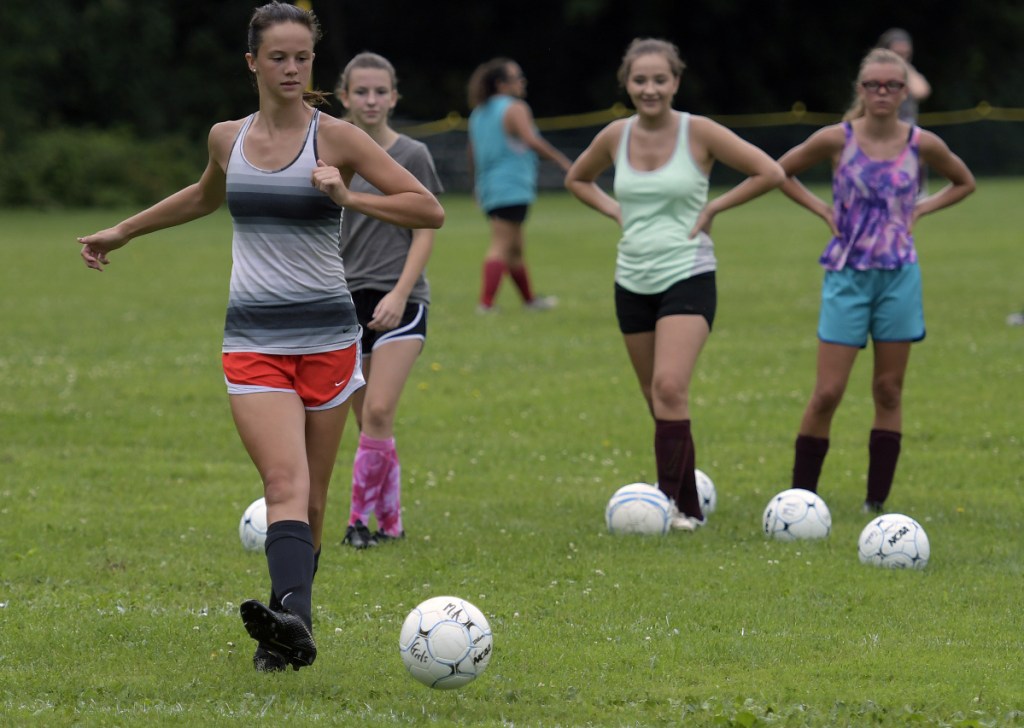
122, 482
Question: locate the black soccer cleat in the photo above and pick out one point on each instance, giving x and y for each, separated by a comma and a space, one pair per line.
358, 536
281, 632
382, 537
266, 660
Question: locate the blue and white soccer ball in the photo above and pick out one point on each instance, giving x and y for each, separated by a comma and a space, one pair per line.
796, 514
252, 529
446, 642
706, 492
638, 508
894, 541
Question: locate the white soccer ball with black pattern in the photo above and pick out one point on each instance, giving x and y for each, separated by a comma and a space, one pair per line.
796, 514
446, 642
894, 541
706, 492
252, 529
638, 508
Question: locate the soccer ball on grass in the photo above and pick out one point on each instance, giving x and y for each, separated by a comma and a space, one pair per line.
638, 508
894, 541
796, 514
706, 492
446, 642
252, 529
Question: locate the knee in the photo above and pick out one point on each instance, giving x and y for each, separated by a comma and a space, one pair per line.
669, 393
376, 417
826, 399
888, 393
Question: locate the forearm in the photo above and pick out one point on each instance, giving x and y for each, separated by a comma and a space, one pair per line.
405, 209
593, 196
948, 195
415, 262
181, 207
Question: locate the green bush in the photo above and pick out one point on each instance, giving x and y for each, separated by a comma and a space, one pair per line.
91, 168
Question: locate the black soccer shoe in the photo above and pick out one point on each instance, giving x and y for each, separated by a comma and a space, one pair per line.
281, 632
382, 537
266, 660
358, 536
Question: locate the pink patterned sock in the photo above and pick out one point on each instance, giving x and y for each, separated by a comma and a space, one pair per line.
389, 507
369, 471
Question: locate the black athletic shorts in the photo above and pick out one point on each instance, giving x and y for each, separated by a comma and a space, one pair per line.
639, 312
512, 213
412, 326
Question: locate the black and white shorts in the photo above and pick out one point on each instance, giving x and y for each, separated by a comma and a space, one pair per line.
412, 326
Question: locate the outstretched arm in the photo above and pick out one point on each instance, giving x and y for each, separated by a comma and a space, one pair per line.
194, 201
519, 122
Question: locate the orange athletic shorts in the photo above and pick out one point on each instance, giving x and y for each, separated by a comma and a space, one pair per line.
322, 381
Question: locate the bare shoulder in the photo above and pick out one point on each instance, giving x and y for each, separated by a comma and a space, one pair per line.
931, 141
831, 137
612, 133
222, 137
338, 140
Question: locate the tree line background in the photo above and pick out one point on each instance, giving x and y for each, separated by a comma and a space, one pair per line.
96, 92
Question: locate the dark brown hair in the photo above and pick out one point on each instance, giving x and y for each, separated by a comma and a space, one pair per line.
483, 84
274, 13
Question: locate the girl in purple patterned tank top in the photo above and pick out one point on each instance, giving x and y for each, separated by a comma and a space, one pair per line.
872, 284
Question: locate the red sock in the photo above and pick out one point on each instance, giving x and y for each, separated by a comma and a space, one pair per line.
522, 280
493, 271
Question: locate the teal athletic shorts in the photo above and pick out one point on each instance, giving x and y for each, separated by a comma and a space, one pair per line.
885, 304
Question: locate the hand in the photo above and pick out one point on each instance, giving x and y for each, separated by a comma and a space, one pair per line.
328, 180
388, 313
703, 222
96, 246
829, 216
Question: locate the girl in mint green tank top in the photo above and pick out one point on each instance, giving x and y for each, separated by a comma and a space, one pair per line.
665, 271
659, 210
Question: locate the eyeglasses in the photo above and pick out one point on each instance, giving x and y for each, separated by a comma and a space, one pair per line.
876, 86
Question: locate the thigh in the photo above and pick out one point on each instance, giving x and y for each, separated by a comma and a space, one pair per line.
899, 308
272, 428
678, 342
640, 348
845, 309
506, 237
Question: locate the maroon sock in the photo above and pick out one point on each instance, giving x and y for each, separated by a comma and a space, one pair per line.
809, 457
674, 455
522, 280
493, 271
883, 452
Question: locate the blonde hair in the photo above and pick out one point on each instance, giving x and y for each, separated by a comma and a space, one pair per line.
649, 46
875, 55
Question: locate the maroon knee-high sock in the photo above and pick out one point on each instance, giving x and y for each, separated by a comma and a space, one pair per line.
883, 453
493, 271
675, 458
522, 280
809, 457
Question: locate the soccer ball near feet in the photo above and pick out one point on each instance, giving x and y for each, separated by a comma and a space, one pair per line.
796, 514
638, 508
252, 529
894, 541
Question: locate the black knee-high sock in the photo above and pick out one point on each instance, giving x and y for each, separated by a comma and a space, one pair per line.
290, 561
274, 602
674, 455
809, 457
883, 453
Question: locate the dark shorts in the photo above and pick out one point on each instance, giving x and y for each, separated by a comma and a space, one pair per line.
412, 326
512, 213
639, 312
